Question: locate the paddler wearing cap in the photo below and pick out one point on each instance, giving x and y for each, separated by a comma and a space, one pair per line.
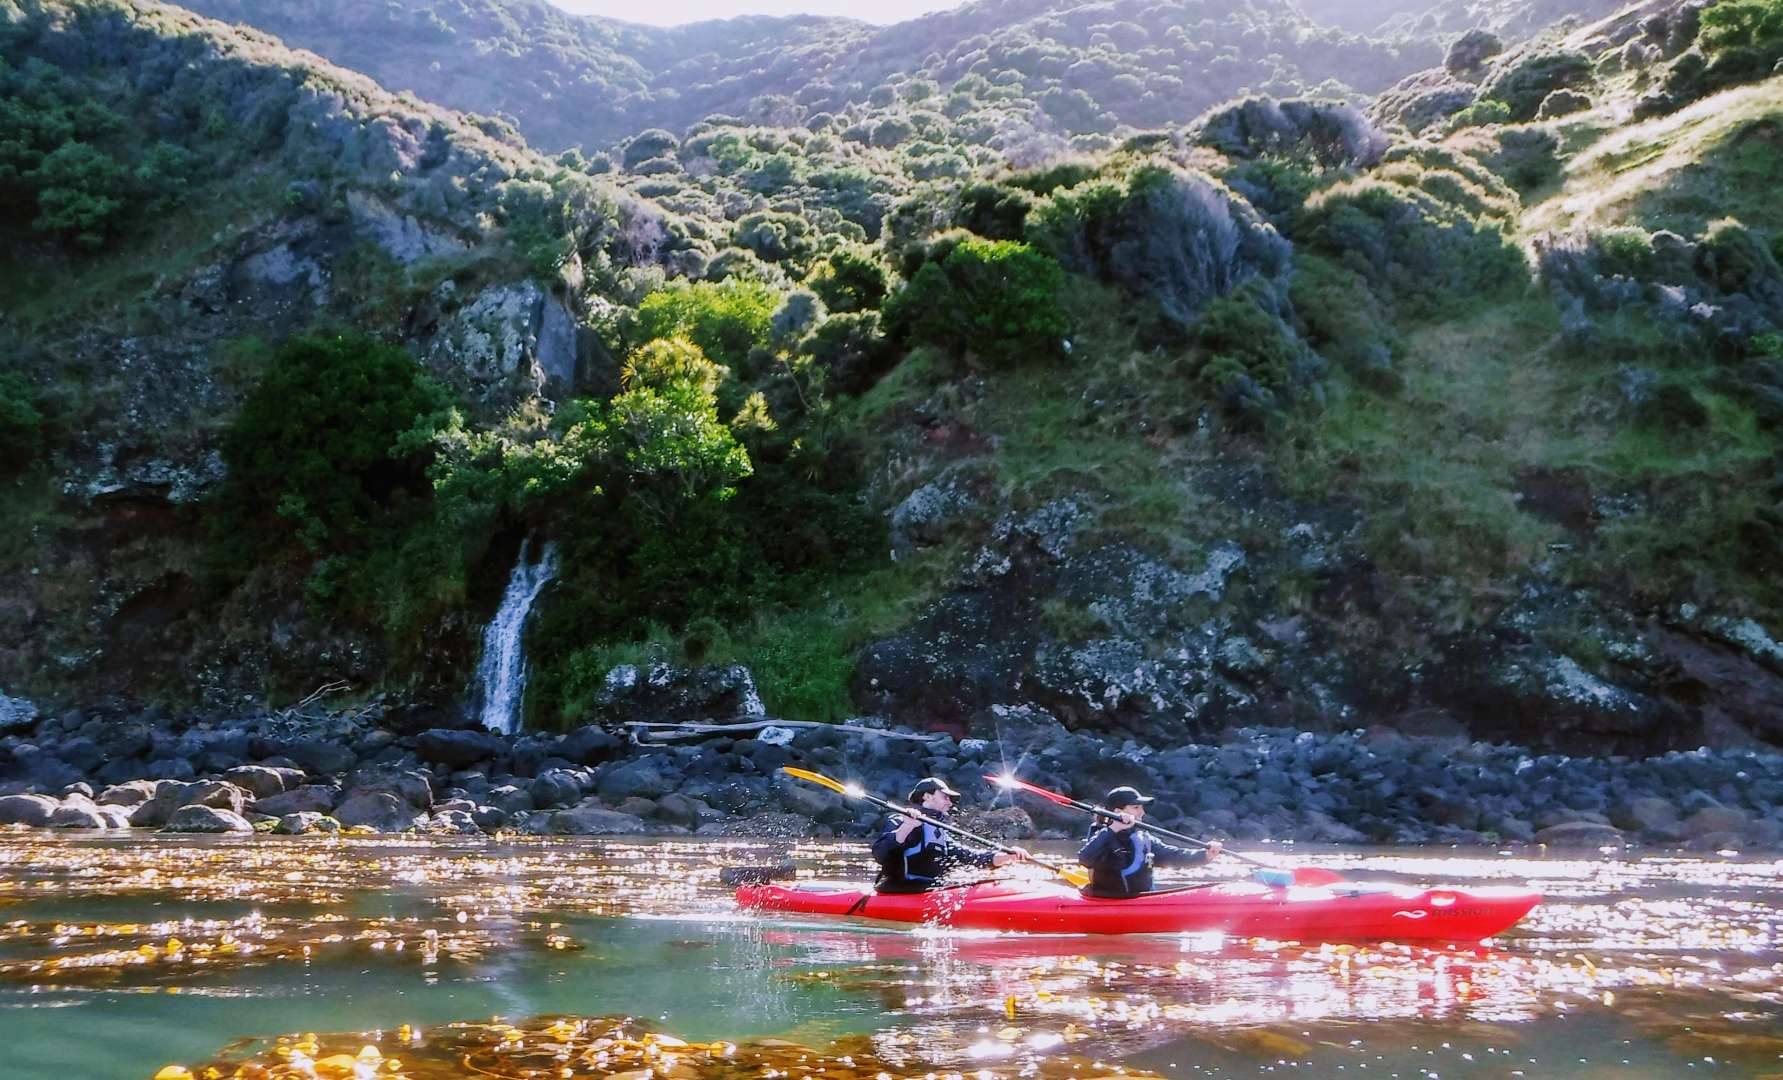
1120, 857
914, 857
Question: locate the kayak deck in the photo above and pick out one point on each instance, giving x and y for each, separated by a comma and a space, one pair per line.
1338, 912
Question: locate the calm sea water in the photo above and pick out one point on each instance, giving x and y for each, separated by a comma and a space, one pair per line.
121, 956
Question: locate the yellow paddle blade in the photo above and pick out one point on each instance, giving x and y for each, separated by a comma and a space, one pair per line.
815, 778
1075, 877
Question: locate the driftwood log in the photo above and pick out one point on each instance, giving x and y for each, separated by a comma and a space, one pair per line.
671, 731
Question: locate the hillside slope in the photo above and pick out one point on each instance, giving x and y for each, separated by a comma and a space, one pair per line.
182, 197
587, 82
1460, 414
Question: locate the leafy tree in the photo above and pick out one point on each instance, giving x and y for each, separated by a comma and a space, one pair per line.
996, 299
849, 350
725, 319
993, 211
332, 431
775, 237
1743, 24
849, 279
668, 362
80, 193
21, 424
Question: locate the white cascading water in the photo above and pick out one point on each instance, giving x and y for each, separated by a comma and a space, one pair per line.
501, 674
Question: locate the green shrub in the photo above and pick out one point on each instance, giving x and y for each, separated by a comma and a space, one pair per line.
333, 432
775, 238
1343, 318
1737, 260
849, 279
1626, 250
1276, 186
725, 319
21, 424
994, 299
1480, 113
1421, 255
1045, 181
1735, 23
1168, 235
993, 211
850, 350
1244, 354
1522, 83
63, 155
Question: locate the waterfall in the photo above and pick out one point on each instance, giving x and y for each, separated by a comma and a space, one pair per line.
501, 674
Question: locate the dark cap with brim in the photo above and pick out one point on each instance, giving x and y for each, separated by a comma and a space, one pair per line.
1125, 796
928, 784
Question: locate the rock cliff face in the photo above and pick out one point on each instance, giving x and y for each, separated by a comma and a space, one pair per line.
322, 202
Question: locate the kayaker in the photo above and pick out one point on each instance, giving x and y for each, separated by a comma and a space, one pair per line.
914, 857
1120, 857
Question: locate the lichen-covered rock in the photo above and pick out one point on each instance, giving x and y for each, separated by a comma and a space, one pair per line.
206, 819
261, 781
1468, 55
666, 692
934, 511
378, 811
306, 822
592, 819
456, 749
77, 815
405, 236
311, 798
16, 715
507, 343
1580, 834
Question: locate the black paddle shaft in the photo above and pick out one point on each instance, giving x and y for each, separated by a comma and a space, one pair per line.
1158, 830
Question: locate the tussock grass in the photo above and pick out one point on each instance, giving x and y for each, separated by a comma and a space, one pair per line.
1716, 158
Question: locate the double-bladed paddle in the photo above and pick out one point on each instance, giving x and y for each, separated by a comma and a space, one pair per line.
853, 791
1303, 875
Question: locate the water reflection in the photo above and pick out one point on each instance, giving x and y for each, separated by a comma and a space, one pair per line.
170, 948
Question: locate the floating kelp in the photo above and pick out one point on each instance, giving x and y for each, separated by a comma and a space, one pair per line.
180, 951
566, 1047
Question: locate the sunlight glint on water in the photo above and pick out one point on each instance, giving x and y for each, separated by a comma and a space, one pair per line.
165, 950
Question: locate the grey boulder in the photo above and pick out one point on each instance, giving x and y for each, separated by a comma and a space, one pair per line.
27, 809
206, 819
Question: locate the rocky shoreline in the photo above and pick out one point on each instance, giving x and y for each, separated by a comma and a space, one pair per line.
391, 768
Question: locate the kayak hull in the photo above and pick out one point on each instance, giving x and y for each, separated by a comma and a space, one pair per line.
1341, 912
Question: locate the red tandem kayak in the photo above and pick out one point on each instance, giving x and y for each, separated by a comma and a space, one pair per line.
1342, 912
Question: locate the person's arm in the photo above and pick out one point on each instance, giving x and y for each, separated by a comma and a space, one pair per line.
890, 841
1170, 855
1096, 850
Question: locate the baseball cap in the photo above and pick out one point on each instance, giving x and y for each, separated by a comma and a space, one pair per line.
1125, 796
928, 784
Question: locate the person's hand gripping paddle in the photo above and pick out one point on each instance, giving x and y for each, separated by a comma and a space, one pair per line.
853, 791
1299, 875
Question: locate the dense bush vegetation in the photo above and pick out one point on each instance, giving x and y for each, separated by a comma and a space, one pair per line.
1175, 238
725, 319
21, 423
334, 431
1422, 255
71, 166
996, 300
